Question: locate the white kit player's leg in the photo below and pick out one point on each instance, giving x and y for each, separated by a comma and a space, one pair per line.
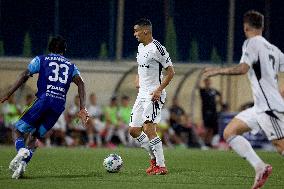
157, 148
246, 121
242, 147
136, 122
143, 140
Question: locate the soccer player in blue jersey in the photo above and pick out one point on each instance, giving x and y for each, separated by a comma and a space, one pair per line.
55, 76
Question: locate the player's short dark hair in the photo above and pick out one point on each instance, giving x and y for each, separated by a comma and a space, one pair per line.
57, 45
143, 22
254, 19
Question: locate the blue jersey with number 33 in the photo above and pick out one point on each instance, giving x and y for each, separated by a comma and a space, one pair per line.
55, 76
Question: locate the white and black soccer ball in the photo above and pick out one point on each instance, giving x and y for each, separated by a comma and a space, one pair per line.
113, 163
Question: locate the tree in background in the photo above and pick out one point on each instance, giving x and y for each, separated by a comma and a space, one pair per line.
103, 51
171, 41
194, 51
27, 46
215, 57
2, 53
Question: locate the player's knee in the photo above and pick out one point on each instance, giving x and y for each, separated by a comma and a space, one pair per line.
279, 145
280, 150
228, 133
134, 132
150, 130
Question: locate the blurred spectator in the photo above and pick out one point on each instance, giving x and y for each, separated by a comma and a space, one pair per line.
58, 133
3, 130
112, 124
75, 128
176, 114
165, 131
164, 126
176, 111
124, 113
11, 112
189, 133
95, 124
225, 117
209, 110
28, 101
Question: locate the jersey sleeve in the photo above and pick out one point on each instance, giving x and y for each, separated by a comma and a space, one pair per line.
249, 55
162, 56
75, 71
34, 65
281, 62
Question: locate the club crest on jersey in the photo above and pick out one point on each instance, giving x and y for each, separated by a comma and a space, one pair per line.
146, 55
55, 88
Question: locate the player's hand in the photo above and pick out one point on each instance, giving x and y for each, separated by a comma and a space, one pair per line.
209, 72
156, 95
3, 99
83, 115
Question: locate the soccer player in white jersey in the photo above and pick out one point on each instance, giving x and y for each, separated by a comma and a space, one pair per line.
152, 57
262, 61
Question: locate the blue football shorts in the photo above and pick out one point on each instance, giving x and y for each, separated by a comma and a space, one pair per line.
38, 119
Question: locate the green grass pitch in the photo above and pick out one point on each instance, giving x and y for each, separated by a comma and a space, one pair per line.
75, 168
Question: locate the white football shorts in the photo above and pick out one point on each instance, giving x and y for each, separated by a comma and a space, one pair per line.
144, 109
272, 122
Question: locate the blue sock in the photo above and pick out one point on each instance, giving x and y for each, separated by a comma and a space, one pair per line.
27, 160
19, 143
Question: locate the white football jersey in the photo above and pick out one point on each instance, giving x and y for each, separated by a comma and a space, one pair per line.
265, 61
151, 59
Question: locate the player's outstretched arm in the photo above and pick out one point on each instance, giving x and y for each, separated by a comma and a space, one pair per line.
240, 69
23, 77
167, 79
83, 113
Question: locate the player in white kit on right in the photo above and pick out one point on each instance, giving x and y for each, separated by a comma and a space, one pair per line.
262, 61
152, 57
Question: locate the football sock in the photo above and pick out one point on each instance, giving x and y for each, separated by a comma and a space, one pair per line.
27, 160
282, 153
19, 143
157, 148
242, 147
143, 140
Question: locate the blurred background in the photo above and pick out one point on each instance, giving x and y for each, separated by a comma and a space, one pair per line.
99, 33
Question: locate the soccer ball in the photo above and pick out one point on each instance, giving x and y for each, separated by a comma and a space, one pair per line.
113, 163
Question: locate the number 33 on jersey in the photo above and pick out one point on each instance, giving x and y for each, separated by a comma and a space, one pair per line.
55, 75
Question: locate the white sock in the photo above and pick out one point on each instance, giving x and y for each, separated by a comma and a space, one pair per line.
244, 149
157, 148
282, 153
143, 140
